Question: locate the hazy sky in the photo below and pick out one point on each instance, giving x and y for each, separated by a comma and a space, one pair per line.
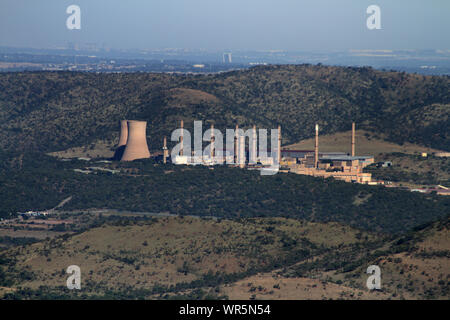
228, 24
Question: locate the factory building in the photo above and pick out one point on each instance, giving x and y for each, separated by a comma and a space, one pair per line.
338, 165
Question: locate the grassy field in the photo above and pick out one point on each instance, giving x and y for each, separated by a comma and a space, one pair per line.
173, 250
262, 258
366, 144
97, 149
273, 286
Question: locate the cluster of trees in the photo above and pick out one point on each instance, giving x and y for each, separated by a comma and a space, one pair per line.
43, 182
413, 168
289, 252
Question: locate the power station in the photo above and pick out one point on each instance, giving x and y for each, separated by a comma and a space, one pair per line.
339, 165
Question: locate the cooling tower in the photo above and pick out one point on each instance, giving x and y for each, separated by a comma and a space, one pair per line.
136, 147
122, 140
123, 133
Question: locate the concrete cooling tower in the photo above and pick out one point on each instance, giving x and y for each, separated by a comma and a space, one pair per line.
122, 140
123, 133
136, 147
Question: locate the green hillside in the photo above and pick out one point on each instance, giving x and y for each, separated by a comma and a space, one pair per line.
52, 111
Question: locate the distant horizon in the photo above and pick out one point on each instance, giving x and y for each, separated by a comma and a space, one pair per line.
273, 50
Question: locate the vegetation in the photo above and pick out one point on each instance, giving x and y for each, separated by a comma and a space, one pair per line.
42, 182
232, 224
53, 111
177, 257
228, 259
413, 168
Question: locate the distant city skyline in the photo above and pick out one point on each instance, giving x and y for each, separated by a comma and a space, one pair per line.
211, 25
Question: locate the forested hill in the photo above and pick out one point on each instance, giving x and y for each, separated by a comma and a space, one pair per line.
40, 182
51, 111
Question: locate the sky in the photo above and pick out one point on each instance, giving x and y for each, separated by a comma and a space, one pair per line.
291, 25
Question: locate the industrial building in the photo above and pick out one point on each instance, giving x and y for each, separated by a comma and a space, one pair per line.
339, 165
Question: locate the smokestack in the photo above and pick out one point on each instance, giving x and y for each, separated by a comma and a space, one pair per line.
316, 154
213, 151
279, 144
136, 147
353, 139
253, 155
165, 151
236, 143
242, 151
181, 137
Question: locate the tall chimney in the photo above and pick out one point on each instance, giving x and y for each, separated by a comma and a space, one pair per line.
242, 151
181, 138
165, 151
213, 150
136, 147
236, 144
353, 139
253, 150
279, 144
316, 154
